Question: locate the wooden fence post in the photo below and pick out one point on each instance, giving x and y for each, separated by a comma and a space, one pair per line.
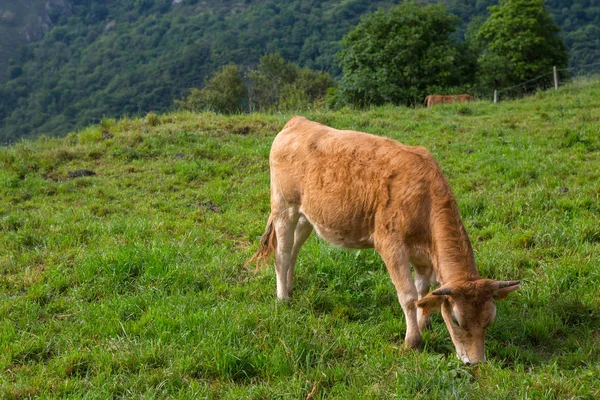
495, 96
555, 78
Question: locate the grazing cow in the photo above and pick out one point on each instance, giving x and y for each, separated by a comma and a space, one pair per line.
432, 99
362, 191
464, 98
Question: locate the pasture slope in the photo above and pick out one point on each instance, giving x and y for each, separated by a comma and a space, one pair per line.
131, 284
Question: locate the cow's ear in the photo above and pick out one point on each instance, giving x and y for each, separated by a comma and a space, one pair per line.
430, 303
503, 288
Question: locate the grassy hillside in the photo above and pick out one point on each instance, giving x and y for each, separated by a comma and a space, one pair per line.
130, 283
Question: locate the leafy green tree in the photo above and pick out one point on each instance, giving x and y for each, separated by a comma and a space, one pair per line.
292, 98
267, 81
520, 42
274, 85
224, 93
396, 55
309, 87
314, 83
280, 85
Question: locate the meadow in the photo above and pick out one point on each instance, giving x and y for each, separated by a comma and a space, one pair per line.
131, 283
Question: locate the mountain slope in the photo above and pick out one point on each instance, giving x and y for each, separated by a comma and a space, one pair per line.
22, 22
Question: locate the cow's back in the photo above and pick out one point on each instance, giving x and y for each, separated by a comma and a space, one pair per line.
347, 182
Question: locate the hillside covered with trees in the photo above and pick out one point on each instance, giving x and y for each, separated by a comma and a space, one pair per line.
110, 58
23, 22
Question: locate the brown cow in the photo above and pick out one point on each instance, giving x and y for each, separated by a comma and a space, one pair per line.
362, 191
432, 99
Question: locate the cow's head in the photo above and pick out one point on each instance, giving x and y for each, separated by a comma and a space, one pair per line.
468, 309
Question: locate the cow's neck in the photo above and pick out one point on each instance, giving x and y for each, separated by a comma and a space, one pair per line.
451, 251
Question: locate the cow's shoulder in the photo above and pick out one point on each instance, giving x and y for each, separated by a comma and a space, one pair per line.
295, 122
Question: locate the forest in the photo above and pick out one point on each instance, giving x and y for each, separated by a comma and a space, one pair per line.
112, 59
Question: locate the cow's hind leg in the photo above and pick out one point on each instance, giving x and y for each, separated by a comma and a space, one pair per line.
302, 232
284, 222
397, 262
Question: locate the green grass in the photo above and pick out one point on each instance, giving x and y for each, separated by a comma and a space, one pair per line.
131, 283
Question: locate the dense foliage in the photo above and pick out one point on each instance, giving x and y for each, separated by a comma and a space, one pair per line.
126, 58
398, 56
580, 27
279, 85
114, 58
224, 93
21, 22
275, 84
519, 42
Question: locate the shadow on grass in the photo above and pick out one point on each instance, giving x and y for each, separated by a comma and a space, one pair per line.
561, 331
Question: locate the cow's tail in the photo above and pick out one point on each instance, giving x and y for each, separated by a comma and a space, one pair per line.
268, 244
426, 100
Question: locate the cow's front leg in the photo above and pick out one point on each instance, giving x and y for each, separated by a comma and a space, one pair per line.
422, 283
397, 263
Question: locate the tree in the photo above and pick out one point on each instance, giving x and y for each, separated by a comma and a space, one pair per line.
268, 80
308, 87
397, 55
520, 42
280, 85
274, 85
224, 93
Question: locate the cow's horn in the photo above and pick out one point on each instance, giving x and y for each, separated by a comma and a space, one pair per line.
503, 284
442, 291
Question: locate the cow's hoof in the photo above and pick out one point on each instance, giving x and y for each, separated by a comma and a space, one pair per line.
424, 325
415, 343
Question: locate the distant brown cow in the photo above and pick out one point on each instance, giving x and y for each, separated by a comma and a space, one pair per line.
432, 99
362, 191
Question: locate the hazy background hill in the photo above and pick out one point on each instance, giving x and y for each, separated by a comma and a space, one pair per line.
98, 59
22, 22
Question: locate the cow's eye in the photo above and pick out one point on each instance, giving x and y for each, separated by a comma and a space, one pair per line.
455, 321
